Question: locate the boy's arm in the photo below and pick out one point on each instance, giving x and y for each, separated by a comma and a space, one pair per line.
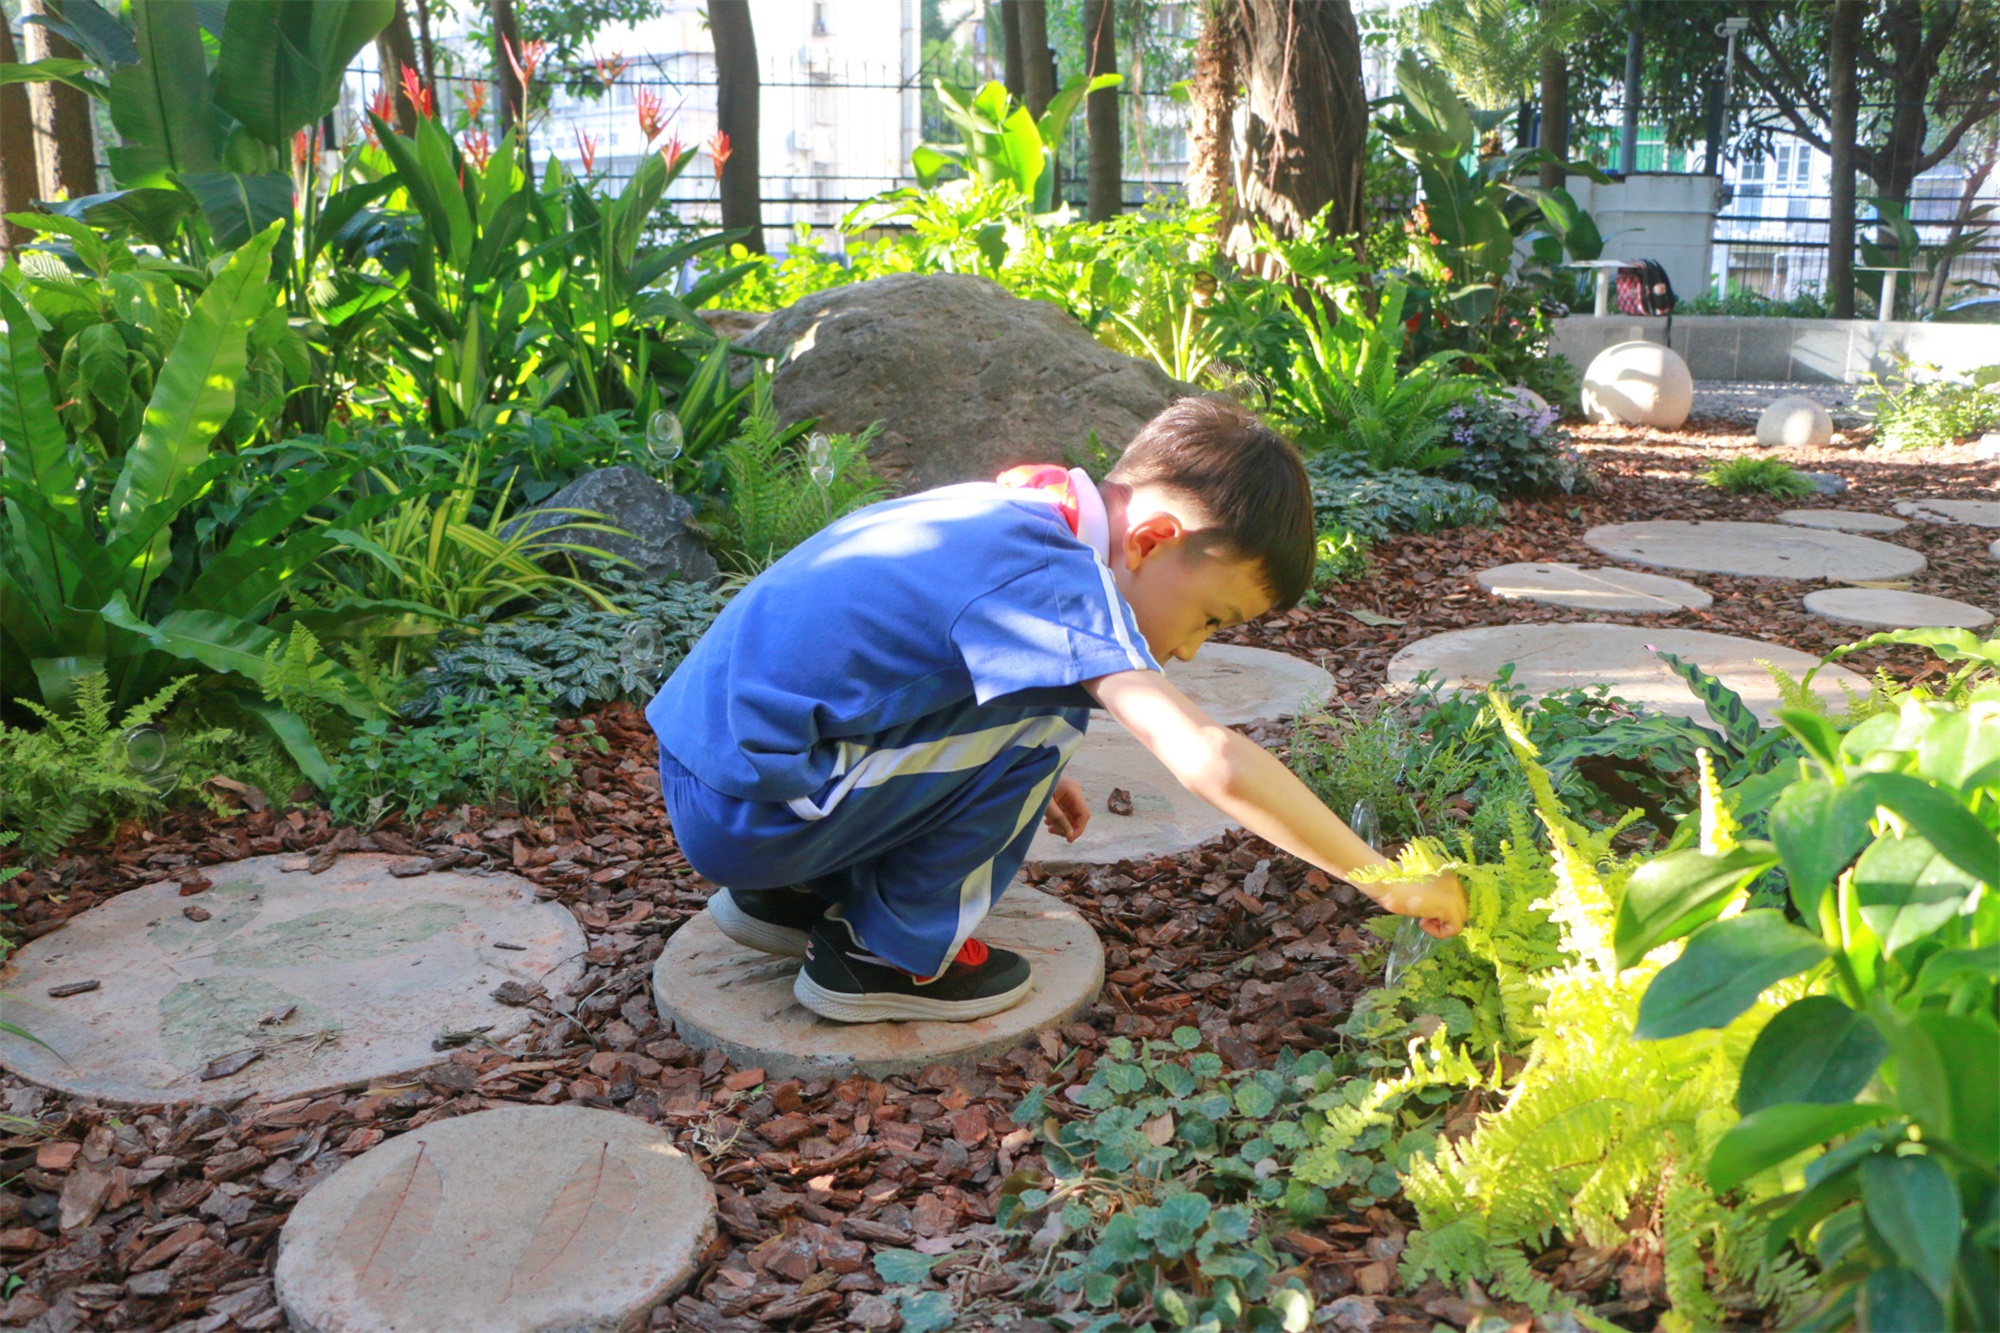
1246, 782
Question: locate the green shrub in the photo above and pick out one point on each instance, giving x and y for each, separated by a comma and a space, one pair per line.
579, 652
505, 751
1809, 303
1757, 475
1507, 447
1921, 407
1351, 496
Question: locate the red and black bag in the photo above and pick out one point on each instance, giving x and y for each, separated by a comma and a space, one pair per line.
1644, 289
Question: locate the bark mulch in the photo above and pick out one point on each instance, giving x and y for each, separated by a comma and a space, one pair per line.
122, 1218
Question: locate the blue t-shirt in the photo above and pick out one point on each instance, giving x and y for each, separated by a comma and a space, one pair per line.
934, 615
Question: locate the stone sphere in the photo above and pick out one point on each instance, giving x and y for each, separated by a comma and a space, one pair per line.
1795, 422
1638, 384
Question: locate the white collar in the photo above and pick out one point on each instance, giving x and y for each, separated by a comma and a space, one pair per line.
1093, 524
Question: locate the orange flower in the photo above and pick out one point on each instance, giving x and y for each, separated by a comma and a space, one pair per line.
525, 58
586, 147
479, 147
719, 151
650, 120
610, 68
672, 150
382, 105
420, 96
475, 100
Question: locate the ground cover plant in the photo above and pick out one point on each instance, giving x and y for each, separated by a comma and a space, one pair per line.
1757, 475
1917, 407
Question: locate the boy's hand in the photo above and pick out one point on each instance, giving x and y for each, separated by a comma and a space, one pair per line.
1068, 813
1440, 902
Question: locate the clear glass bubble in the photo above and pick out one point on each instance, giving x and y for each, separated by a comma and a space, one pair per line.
819, 458
146, 749
642, 653
1367, 825
664, 442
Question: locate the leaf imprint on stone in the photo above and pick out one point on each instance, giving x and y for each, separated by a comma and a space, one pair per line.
394, 1219
588, 1217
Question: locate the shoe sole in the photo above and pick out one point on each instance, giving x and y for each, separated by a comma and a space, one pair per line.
752, 933
846, 1007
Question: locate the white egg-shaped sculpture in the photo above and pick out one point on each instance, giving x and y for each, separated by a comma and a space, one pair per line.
1795, 422
1638, 384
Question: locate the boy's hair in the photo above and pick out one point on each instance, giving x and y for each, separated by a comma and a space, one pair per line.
1247, 479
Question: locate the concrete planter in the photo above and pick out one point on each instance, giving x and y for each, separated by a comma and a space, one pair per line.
1749, 349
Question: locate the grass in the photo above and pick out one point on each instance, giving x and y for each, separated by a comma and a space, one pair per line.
1751, 475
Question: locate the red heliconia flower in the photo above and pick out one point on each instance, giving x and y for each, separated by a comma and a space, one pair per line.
479, 147
525, 58
650, 120
383, 105
718, 151
611, 68
301, 146
420, 96
475, 100
586, 147
671, 150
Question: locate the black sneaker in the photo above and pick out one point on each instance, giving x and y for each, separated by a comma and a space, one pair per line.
843, 981
768, 920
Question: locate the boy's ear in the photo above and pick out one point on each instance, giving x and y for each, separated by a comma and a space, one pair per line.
1149, 535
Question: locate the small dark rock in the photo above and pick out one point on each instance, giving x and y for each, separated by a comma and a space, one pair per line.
660, 543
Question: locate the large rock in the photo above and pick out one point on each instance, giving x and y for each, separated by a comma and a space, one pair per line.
966, 379
660, 545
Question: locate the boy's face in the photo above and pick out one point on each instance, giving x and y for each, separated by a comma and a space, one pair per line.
1182, 591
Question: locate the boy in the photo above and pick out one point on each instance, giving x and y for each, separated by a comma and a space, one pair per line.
861, 746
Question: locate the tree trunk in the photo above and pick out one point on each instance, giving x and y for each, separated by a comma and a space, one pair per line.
396, 51
1040, 73
1211, 123
1305, 142
736, 115
426, 48
506, 44
61, 116
18, 186
1107, 155
1634, 90
1974, 183
1554, 132
1016, 75
1844, 97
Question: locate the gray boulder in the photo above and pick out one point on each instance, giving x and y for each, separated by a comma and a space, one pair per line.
966, 379
660, 546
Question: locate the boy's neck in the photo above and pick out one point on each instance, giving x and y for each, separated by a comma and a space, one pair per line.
1117, 503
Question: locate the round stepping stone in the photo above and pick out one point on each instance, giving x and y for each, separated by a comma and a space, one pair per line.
1756, 550
1237, 685
514, 1220
1887, 608
1593, 589
1842, 520
1795, 421
1166, 820
1638, 384
719, 994
1558, 657
1973, 513
297, 983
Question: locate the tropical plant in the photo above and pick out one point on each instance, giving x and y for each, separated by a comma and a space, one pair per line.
1757, 475
1508, 446
1350, 495
777, 494
1001, 144
1888, 1056
1922, 407
1345, 392
105, 570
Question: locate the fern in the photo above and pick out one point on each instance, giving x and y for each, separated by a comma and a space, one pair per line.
775, 502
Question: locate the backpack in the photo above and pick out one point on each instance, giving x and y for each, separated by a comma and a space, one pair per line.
1644, 289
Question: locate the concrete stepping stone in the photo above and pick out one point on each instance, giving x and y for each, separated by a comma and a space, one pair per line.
1593, 589
1166, 820
1755, 550
719, 994
1237, 685
1887, 608
1842, 520
1556, 657
279, 983
1973, 513
515, 1220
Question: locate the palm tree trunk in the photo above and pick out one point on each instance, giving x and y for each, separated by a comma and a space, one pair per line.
1554, 134
737, 115
1107, 155
1016, 76
18, 186
1039, 75
64, 140
1305, 141
1211, 127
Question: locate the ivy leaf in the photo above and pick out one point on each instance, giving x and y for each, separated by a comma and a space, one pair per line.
903, 1267
926, 1311
1255, 1100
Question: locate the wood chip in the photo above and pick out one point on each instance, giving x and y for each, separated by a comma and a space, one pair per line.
222, 1066
1119, 802
69, 988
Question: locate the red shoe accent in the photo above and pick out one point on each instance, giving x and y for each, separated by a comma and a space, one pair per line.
972, 953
